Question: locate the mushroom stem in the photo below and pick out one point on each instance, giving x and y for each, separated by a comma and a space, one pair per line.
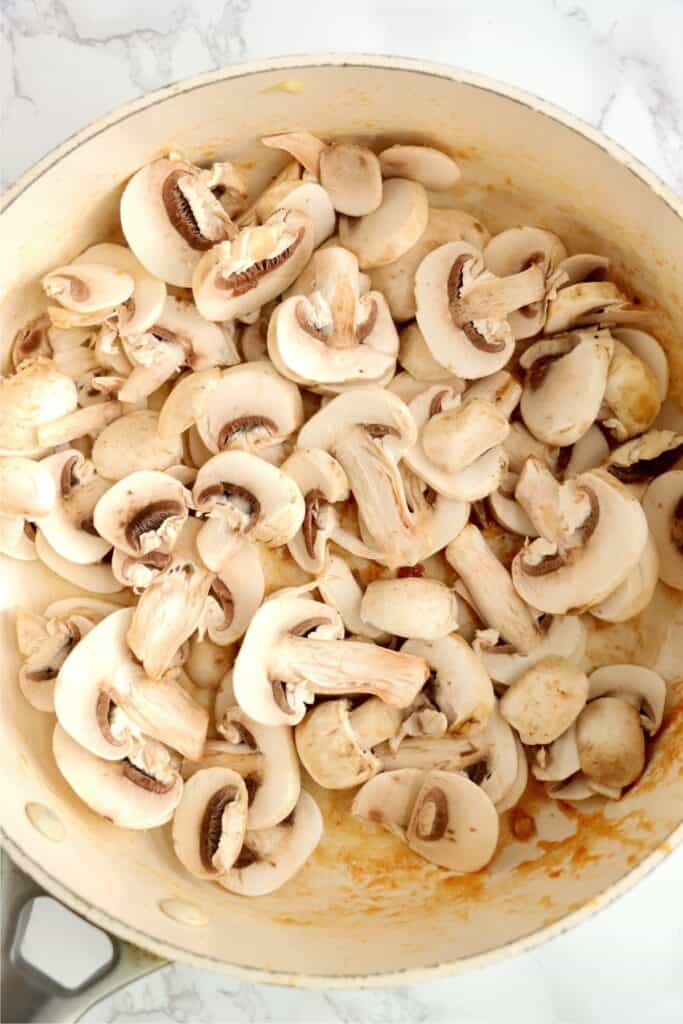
495, 298
557, 511
82, 421
162, 709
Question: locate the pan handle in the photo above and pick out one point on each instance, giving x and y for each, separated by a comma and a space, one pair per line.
28, 994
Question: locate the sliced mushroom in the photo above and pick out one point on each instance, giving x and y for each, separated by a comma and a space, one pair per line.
649, 351
565, 638
641, 687
559, 761
459, 683
543, 702
351, 175
313, 200
32, 341
143, 307
17, 539
132, 444
610, 742
634, 594
95, 577
589, 452
520, 444
87, 421
448, 752
68, 526
501, 390
587, 304
515, 250
387, 799
431, 167
631, 400
88, 288
415, 357
339, 588
27, 489
323, 483
303, 146
489, 583
144, 512
234, 596
36, 394
210, 822
507, 511
138, 573
334, 742
584, 266
639, 460
187, 402
663, 506
565, 385
386, 234
561, 513
410, 607
454, 438
236, 278
271, 856
293, 650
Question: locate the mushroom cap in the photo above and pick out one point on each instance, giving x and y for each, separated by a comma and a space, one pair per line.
453, 823
329, 749
631, 399
27, 488
96, 577
251, 407
36, 394
384, 235
312, 199
270, 857
597, 566
415, 357
454, 438
543, 702
610, 742
210, 822
368, 406
339, 588
88, 287
589, 302
649, 351
351, 176
589, 452
462, 689
143, 512
410, 607
118, 790
430, 167
565, 638
149, 293
634, 594
68, 525
133, 443
639, 686
187, 401
237, 593
663, 506
322, 482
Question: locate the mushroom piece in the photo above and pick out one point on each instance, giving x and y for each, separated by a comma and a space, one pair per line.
507, 511
234, 596
649, 351
501, 390
271, 856
584, 266
559, 761
251, 407
144, 512
235, 278
454, 438
639, 460
564, 638
520, 444
589, 304
459, 683
187, 401
32, 341
565, 385
304, 147
512, 252
334, 335
430, 167
170, 215
453, 753
27, 489
663, 506
388, 798
138, 573
597, 557
293, 649
322, 483
610, 742
641, 687
334, 742
36, 394
142, 308
68, 526
339, 588
631, 400
492, 590
244, 497
132, 444
589, 452
462, 308
90, 420
95, 577
635, 593
415, 356
351, 176
140, 791
103, 699
410, 607
311, 199
386, 234
89, 288
210, 822
560, 513
543, 702
396, 280
17, 539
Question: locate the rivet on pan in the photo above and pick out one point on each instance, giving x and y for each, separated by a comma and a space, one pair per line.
45, 821
183, 912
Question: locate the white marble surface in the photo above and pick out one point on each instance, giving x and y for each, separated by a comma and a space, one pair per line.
616, 63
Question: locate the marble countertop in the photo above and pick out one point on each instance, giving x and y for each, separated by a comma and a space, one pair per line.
615, 63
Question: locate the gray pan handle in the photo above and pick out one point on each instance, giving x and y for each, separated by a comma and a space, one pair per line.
30, 995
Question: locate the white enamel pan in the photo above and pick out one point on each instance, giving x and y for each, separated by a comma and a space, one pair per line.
364, 911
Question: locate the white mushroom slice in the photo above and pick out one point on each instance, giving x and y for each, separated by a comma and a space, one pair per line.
396, 280
520, 444
383, 236
517, 249
139, 792
461, 687
639, 460
500, 390
631, 400
132, 444
435, 519
431, 167
322, 483
641, 687
335, 743
462, 309
315, 202
543, 702
415, 356
27, 489
95, 577
453, 823
565, 385
351, 175
293, 650
447, 753
649, 351
410, 607
274, 784
187, 401
196, 449
45, 642
303, 146
584, 266
69, 526
154, 361
334, 335
407, 387
561, 513
210, 822
339, 588
388, 799
143, 512
36, 394
492, 590
663, 506
599, 557
610, 742
88, 287
236, 278
32, 341
234, 596
142, 309
251, 407
271, 856
565, 638
454, 438
138, 573
588, 304
17, 539
89, 420
635, 593
558, 761
170, 216
589, 452
507, 511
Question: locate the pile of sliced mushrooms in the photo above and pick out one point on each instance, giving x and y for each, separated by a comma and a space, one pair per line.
456, 440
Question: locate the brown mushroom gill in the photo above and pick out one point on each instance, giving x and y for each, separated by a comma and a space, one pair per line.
223, 596
677, 525
242, 281
68, 478
279, 690
212, 824
51, 670
550, 563
104, 709
246, 858
233, 494
343, 331
246, 426
144, 780
180, 213
150, 519
315, 503
454, 289
646, 469
538, 371
431, 816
